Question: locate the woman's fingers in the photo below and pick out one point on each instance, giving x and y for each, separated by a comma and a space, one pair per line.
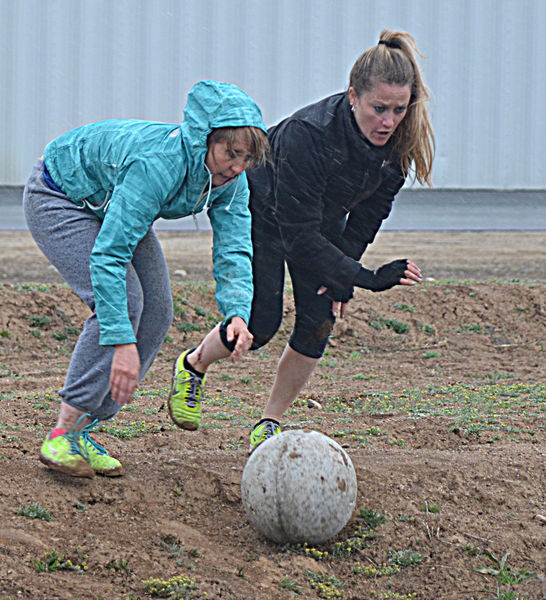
237, 330
412, 274
124, 373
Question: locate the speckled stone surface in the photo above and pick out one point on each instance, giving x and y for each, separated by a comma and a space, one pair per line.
299, 487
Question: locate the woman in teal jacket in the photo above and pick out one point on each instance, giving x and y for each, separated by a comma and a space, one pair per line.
90, 204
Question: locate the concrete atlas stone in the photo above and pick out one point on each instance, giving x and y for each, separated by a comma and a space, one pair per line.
299, 487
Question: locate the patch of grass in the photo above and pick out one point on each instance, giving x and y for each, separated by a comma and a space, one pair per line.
5, 333
362, 377
33, 287
404, 558
38, 320
372, 518
36, 511
374, 571
120, 565
53, 561
179, 587
469, 407
187, 326
431, 354
402, 306
288, 584
129, 430
397, 326
359, 436
326, 586
471, 328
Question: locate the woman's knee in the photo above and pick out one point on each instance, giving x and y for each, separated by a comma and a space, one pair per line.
311, 337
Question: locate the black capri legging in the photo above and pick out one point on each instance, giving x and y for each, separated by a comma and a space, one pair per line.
314, 319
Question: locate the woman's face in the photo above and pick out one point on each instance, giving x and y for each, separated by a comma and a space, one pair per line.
379, 111
226, 164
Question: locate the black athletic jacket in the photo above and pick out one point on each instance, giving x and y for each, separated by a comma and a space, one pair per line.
325, 174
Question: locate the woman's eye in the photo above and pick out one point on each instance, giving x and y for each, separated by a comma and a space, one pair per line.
400, 110
232, 154
379, 109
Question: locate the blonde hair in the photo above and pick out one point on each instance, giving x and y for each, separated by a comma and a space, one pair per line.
393, 61
253, 137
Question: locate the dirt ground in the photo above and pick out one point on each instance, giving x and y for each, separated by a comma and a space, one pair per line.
436, 392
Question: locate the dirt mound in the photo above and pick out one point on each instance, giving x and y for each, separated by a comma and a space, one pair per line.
437, 393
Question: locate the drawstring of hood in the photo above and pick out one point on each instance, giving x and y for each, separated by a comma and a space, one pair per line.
208, 201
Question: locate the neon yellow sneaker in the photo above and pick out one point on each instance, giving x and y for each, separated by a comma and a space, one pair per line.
262, 431
99, 458
186, 395
63, 453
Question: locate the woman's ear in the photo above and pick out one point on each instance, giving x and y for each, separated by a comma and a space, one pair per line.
351, 94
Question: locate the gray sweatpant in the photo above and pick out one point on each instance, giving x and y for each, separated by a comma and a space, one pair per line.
66, 235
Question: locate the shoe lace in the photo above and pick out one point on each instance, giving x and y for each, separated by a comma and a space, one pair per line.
194, 383
89, 440
268, 430
73, 436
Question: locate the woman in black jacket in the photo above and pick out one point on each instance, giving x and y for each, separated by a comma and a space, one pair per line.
336, 168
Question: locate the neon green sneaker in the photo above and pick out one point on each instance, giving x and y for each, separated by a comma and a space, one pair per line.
63, 453
99, 458
263, 430
186, 395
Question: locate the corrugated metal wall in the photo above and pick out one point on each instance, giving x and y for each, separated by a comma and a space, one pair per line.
68, 62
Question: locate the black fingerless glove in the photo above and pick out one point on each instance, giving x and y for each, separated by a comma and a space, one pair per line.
383, 278
339, 294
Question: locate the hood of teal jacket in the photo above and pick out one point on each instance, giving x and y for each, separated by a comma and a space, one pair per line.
210, 105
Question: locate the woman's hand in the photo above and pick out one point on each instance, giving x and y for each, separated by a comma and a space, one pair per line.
412, 274
238, 330
124, 373
337, 307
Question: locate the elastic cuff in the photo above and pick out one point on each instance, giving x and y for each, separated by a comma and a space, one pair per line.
223, 335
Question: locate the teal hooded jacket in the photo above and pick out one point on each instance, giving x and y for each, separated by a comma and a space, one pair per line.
132, 172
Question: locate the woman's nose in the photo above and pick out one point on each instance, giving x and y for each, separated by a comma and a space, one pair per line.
238, 167
388, 120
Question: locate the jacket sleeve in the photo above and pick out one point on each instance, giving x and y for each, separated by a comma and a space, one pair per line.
301, 169
134, 206
232, 250
366, 218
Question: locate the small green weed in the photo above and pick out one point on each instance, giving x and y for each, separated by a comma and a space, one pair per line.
120, 565
186, 326
402, 306
287, 584
506, 577
372, 518
471, 328
426, 507
36, 511
397, 326
404, 558
53, 561
431, 354
38, 320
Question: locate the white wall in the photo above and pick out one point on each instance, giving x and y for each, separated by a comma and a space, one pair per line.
68, 62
